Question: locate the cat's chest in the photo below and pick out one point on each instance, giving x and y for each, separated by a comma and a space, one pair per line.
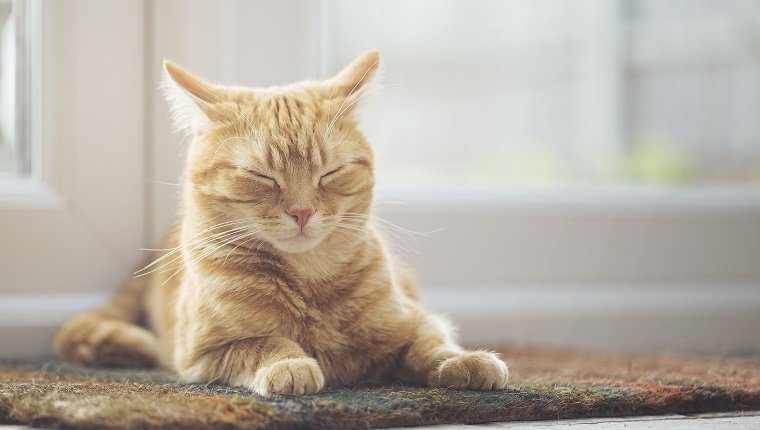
335, 315
352, 311
323, 313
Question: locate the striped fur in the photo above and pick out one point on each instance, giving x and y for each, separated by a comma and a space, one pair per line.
241, 297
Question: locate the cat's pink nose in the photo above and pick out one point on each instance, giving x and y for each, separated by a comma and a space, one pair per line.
301, 216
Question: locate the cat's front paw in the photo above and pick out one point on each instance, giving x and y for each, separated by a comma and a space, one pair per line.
476, 370
290, 376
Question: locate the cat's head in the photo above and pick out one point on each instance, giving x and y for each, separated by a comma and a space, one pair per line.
287, 164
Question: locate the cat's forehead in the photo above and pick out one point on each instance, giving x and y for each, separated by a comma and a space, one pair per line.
289, 126
290, 112
281, 113
282, 128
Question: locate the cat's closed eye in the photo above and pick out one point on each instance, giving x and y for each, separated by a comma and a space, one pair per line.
327, 176
263, 178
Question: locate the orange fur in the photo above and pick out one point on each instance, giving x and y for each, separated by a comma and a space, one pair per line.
247, 297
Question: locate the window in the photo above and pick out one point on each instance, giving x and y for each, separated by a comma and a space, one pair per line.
560, 93
570, 151
15, 153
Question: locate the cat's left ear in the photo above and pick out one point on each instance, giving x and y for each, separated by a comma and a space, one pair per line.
191, 100
354, 77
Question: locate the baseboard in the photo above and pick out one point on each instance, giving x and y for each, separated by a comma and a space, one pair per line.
28, 321
706, 319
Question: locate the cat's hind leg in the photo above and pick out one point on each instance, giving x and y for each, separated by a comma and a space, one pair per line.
434, 359
109, 336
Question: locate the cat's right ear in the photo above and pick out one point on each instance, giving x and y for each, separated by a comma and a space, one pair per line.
190, 99
355, 77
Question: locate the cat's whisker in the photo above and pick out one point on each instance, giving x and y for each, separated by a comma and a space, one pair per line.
215, 237
363, 93
217, 248
329, 127
162, 268
208, 220
400, 245
356, 85
254, 237
399, 242
164, 183
177, 248
397, 236
394, 226
218, 236
360, 95
343, 235
361, 236
177, 266
179, 270
225, 141
206, 241
194, 244
257, 244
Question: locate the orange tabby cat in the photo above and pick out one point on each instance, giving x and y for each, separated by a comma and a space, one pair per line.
276, 279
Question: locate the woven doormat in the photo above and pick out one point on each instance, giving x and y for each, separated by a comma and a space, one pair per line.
545, 384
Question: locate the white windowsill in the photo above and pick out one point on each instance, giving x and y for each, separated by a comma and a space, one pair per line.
581, 196
27, 193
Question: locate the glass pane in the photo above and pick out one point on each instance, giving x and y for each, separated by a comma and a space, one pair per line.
8, 148
554, 92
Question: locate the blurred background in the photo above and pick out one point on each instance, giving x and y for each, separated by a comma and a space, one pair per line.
582, 174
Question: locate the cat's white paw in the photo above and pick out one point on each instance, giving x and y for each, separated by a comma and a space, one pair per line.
290, 376
476, 370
